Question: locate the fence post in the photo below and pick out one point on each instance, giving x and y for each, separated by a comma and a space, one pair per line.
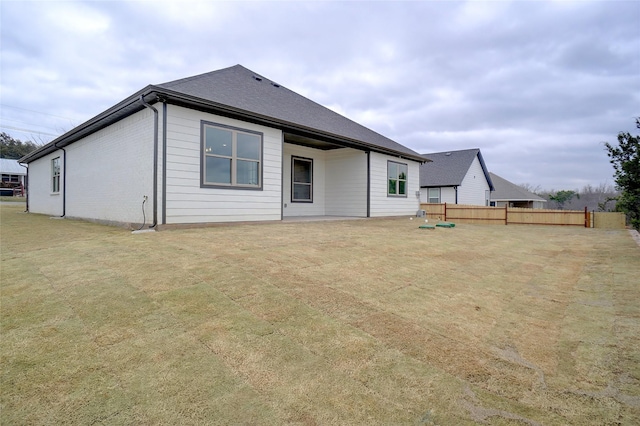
506, 213
586, 217
445, 212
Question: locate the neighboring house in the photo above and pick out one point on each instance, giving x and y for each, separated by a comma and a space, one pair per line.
512, 195
13, 176
229, 145
455, 177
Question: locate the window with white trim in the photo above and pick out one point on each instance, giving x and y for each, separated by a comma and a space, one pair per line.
397, 179
301, 180
433, 195
231, 157
55, 175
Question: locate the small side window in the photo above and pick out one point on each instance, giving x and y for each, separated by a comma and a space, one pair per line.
55, 175
397, 179
434, 195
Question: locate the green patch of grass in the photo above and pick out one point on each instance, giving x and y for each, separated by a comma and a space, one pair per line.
354, 322
13, 199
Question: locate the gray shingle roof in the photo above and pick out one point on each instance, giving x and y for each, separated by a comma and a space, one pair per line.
450, 167
239, 92
507, 191
243, 89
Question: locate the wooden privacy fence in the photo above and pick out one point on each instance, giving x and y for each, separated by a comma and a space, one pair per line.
506, 215
610, 220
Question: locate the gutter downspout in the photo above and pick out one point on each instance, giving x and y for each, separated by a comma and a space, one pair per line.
64, 179
155, 161
26, 186
455, 188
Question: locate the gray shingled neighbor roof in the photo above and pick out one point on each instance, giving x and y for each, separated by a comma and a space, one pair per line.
450, 167
239, 92
507, 191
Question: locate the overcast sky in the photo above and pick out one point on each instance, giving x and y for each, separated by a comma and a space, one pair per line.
538, 86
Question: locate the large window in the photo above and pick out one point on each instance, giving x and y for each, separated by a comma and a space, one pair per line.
301, 180
231, 157
397, 179
55, 175
434, 195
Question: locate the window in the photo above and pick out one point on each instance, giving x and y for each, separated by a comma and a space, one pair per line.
397, 178
434, 195
231, 157
301, 180
55, 175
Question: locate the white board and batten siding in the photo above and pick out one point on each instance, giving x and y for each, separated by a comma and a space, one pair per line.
346, 182
383, 205
474, 187
108, 173
187, 202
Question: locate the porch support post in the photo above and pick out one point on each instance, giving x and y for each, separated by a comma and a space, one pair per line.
368, 183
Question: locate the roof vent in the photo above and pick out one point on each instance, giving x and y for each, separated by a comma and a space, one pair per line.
255, 77
275, 84
448, 154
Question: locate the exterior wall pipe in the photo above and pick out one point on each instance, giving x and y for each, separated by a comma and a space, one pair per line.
155, 161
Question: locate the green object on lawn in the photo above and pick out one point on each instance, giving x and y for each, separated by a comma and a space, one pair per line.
427, 226
446, 225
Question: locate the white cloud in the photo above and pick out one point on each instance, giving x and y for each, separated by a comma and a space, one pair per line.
537, 86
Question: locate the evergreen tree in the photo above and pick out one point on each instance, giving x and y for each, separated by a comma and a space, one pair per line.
626, 162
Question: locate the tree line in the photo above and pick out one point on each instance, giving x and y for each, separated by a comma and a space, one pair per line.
623, 197
15, 148
600, 198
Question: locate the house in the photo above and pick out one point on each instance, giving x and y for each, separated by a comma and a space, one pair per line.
512, 195
455, 177
225, 146
13, 177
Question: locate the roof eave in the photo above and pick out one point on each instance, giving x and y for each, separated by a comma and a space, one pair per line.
486, 171
153, 94
100, 121
200, 103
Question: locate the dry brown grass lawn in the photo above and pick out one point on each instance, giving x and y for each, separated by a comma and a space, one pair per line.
352, 322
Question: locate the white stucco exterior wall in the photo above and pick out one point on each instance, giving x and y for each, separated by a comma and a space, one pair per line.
382, 204
474, 187
187, 202
42, 199
111, 171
